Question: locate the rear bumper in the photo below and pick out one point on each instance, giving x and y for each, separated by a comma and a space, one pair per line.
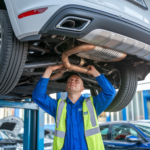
99, 20
32, 27
113, 26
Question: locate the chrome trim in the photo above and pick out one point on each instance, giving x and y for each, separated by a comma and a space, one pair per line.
58, 26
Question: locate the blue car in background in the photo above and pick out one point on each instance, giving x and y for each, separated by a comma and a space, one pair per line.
125, 135
50, 127
49, 131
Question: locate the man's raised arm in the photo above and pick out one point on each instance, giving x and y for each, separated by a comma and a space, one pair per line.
39, 95
104, 98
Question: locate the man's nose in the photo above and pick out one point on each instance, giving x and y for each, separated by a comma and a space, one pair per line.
72, 81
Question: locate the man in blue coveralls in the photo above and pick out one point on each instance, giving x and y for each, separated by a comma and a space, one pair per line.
74, 136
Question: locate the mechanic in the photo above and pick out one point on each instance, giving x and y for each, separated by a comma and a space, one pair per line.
76, 125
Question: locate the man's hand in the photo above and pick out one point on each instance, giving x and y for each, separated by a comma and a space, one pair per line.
50, 69
92, 71
53, 68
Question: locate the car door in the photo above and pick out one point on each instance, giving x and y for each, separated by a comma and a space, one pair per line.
118, 134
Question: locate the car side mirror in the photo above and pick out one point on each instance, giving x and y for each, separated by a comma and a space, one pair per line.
131, 138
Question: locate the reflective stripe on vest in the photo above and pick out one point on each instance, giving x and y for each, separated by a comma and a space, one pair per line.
91, 110
61, 106
60, 134
92, 131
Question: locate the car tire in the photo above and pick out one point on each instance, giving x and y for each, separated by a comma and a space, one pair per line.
127, 88
12, 55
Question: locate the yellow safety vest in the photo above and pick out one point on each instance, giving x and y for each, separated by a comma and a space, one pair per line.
91, 127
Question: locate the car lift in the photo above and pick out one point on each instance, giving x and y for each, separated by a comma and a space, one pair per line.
33, 123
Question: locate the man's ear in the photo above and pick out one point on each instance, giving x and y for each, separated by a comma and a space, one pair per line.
82, 89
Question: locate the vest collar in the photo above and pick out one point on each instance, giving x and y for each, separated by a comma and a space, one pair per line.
81, 99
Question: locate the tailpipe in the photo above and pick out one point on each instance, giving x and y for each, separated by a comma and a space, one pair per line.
68, 24
73, 23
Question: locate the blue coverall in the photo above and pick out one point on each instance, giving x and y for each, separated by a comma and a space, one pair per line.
74, 139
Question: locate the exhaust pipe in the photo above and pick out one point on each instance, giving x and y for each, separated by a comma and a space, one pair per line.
68, 65
54, 60
73, 23
84, 48
43, 64
77, 49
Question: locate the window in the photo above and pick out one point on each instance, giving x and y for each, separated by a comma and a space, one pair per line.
102, 117
104, 132
120, 115
145, 128
53, 120
115, 116
119, 132
48, 121
140, 101
20, 136
50, 135
133, 132
148, 107
130, 110
3, 136
135, 108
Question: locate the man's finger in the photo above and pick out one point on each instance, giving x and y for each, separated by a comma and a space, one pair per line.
60, 66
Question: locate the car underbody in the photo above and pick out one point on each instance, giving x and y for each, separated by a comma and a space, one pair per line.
50, 51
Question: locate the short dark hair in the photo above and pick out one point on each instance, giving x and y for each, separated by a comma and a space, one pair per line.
73, 75
76, 75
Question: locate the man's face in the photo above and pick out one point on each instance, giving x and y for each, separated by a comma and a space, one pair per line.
74, 84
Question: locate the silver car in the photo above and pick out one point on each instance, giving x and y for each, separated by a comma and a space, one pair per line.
112, 35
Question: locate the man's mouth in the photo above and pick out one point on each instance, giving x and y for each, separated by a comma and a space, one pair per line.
72, 85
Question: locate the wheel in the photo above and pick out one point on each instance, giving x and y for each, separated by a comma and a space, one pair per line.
12, 55
127, 88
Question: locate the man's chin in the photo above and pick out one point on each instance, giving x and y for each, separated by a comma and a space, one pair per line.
72, 91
